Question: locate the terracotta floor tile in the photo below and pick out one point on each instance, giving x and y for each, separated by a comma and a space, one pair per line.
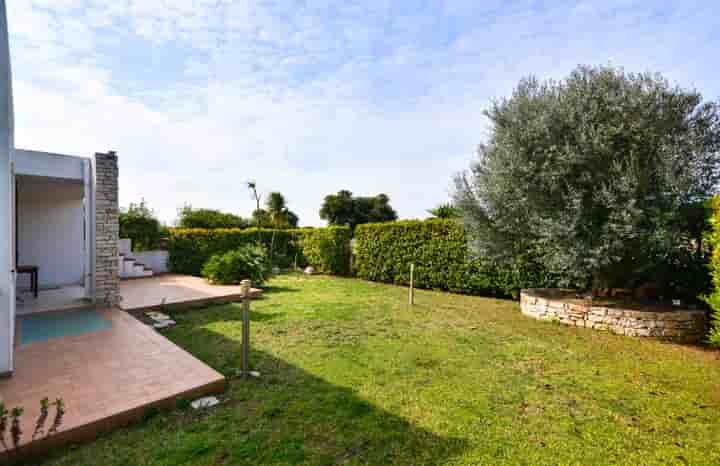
148, 293
102, 375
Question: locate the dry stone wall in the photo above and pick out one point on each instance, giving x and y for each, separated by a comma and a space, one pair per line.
681, 325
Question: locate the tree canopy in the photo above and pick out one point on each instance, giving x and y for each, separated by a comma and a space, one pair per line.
346, 210
189, 217
594, 173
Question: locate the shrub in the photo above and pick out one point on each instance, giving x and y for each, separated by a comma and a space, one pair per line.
209, 218
714, 299
248, 262
139, 224
190, 248
324, 248
327, 249
439, 250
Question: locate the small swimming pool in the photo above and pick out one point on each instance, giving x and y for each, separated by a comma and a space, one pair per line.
48, 325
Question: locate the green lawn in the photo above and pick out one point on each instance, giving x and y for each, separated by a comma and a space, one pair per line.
351, 375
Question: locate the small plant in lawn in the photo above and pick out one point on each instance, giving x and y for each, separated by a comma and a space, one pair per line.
15, 428
247, 262
14, 417
40, 423
3, 425
59, 415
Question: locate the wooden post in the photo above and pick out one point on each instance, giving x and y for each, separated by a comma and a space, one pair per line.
412, 285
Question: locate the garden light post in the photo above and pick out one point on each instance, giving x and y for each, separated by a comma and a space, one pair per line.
246, 372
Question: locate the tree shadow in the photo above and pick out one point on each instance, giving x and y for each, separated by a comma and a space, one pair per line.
295, 417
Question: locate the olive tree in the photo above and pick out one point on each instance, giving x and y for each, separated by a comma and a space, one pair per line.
592, 173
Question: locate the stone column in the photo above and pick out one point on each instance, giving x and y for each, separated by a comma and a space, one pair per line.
107, 230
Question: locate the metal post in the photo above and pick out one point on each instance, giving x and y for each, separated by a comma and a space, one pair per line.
412, 285
245, 287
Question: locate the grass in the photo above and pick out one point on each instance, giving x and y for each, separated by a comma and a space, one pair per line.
352, 375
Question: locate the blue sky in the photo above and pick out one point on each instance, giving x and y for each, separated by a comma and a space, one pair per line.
310, 97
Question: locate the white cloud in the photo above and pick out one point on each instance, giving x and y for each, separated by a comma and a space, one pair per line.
311, 98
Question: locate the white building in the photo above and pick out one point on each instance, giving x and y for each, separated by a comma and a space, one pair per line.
58, 216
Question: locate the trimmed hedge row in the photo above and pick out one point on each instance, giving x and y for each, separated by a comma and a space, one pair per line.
714, 299
326, 249
439, 250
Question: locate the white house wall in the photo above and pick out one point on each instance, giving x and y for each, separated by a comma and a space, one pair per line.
34, 163
50, 231
7, 282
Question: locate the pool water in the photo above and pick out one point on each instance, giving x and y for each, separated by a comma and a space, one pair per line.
47, 325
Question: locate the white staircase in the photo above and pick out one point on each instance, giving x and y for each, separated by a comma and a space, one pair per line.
128, 266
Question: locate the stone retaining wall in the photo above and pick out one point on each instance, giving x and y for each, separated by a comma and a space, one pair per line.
682, 325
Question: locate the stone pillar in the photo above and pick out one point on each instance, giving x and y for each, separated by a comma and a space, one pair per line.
107, 230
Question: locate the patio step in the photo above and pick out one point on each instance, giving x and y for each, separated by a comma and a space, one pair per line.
129, 267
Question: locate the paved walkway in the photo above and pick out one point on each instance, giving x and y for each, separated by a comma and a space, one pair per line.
151, 293
106, 378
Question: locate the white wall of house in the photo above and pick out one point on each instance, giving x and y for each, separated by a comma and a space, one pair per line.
47, 164
7, 144
51, 230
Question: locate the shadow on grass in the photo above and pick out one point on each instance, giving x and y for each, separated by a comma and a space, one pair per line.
227, 312
290, 416
279, 289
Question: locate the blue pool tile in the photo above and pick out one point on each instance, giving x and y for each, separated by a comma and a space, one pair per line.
42, 327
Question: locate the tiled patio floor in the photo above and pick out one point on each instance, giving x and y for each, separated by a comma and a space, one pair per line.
67, 297
149, 293
106, 378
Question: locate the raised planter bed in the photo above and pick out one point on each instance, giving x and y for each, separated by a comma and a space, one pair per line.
669, 323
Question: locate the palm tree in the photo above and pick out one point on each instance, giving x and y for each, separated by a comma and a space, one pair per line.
276, 207
278, 213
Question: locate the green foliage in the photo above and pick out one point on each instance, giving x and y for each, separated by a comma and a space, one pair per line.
208, 218
445, 211
345, 210
439, 250
249, 262
11, 421
138, 223
594, 173
275, 214
714, 299
190, 248
327, 249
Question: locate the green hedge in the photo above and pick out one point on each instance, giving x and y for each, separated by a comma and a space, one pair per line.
714, 299
326, 249
438, 248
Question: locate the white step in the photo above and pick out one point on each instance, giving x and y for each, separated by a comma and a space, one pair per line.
130, 268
